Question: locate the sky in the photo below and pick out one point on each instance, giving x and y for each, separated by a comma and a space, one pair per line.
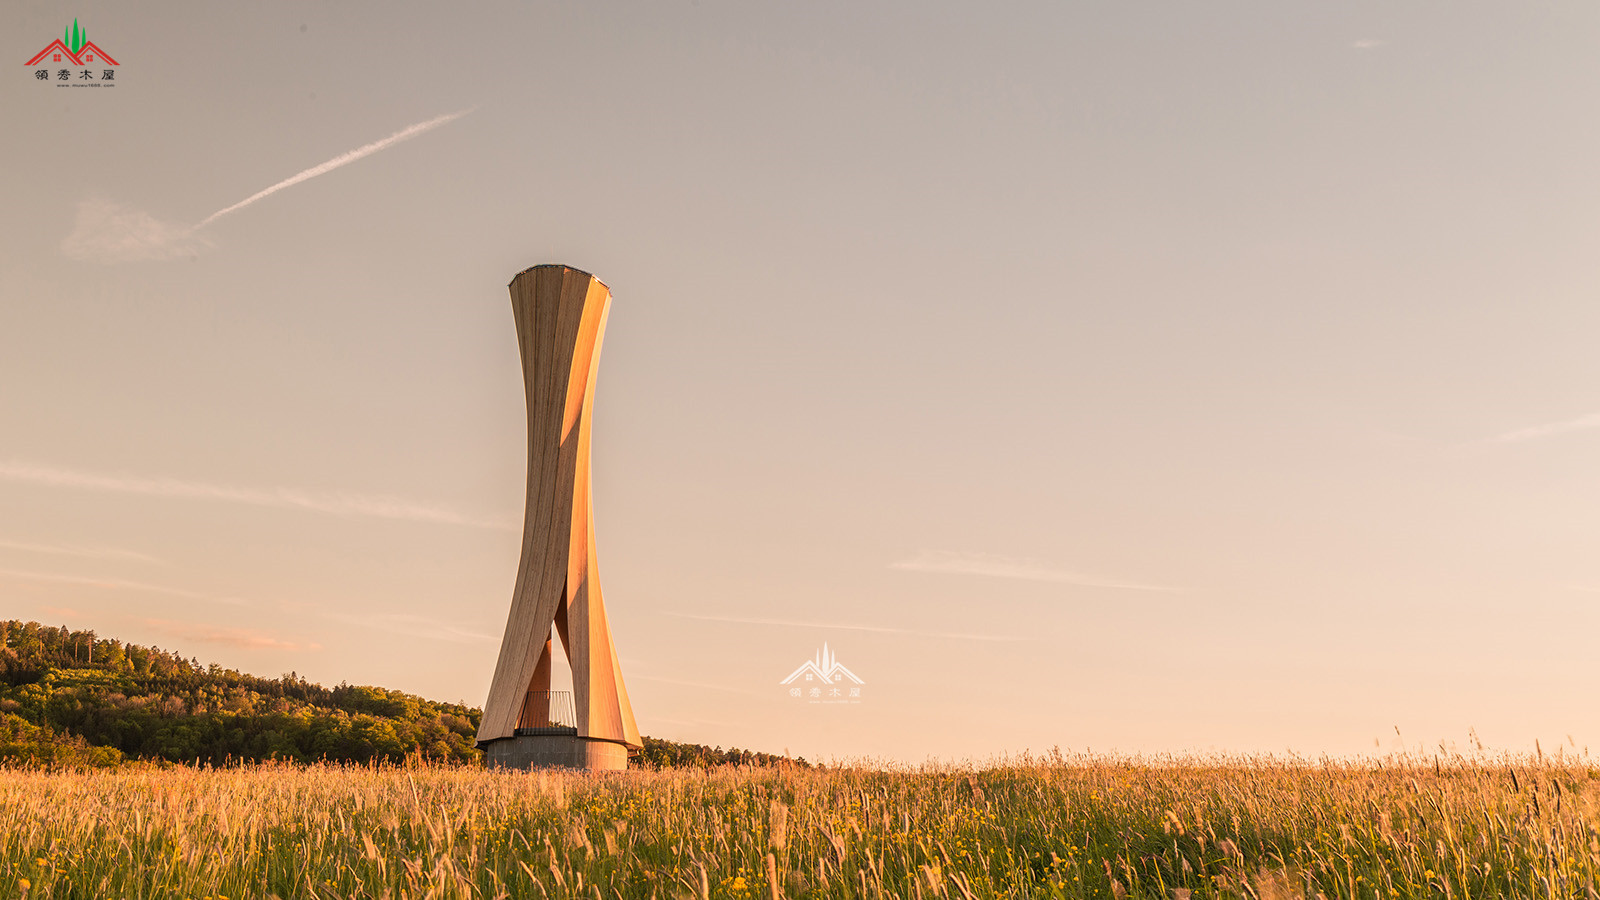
1139, 378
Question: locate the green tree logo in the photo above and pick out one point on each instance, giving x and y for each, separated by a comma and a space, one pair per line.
75, 37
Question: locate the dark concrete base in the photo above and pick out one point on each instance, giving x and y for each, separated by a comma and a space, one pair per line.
539, 751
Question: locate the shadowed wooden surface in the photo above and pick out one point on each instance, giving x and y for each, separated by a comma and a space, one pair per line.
561, 318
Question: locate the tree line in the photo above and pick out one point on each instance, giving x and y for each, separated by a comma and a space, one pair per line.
148, 703
73, 697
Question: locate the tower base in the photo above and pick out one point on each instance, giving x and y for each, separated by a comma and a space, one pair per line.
542, 751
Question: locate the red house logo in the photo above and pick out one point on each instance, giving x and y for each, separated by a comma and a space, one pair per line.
73, 47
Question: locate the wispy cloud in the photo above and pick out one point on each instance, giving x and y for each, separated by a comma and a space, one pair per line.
339, 504
65, 612
702, 685
1551, 429
248, 638
1366, 44
109, 232
842, 626
990, 566
695, 722
414, 626
109, 553
115, 584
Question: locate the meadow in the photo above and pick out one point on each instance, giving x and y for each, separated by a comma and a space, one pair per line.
1060, 827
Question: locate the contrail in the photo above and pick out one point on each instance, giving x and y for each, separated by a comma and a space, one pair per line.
343, 159
1023, 569
1552, 429
64, 550
838, 626
340, 504
115, 584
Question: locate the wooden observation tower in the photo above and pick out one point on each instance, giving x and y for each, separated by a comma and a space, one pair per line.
561, 319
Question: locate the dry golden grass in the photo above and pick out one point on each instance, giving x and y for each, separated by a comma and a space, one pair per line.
1060, 827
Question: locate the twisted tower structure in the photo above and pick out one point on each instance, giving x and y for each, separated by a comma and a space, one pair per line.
561, 318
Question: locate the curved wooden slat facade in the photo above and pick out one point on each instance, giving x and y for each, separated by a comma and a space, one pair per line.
561, 320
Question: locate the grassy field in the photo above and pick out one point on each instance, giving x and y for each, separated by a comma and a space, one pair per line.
1072, 827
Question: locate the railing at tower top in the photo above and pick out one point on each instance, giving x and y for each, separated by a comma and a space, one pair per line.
548, 712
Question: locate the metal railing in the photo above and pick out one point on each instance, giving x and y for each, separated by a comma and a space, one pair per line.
547, 712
